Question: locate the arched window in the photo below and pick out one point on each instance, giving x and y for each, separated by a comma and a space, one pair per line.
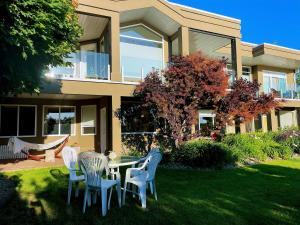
141, 51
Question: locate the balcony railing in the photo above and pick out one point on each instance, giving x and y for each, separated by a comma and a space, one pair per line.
84, 65
292, 92
135, 69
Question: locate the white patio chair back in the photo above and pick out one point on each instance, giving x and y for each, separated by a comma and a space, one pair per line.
69, 155
152, 162
93, 169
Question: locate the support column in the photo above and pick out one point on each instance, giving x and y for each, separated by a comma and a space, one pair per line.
115, 47
116, 125
238, 57
243, 128
183, 41
230, 129
274, 120
264, 123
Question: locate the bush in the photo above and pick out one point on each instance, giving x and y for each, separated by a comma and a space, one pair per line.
202, 153
289, 138
257, 146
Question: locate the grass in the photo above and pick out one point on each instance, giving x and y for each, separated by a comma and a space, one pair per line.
262, 194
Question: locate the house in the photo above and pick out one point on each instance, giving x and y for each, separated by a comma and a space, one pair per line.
123, 40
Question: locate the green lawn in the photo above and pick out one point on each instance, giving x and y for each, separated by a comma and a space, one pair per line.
263, 194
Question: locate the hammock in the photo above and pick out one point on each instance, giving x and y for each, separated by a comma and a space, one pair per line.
17, 145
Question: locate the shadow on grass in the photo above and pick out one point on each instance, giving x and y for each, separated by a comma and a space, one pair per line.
260, 195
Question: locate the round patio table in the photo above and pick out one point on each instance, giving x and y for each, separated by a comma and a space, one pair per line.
124, 161
114, 164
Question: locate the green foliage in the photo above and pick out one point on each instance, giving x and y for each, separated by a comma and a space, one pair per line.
202, 153
289, 137
34, 35
256, 146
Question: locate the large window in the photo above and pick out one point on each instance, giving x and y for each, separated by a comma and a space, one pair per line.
276, 81
141, 51
88, 120
215, 46
59, 120
17, 121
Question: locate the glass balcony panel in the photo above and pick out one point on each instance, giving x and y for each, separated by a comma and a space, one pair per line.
84, 65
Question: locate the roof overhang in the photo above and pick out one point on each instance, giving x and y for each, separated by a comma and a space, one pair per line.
183, 15
270, 55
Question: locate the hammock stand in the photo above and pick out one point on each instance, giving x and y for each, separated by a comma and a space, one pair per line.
39, 155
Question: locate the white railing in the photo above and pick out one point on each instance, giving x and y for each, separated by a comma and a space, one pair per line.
7, 153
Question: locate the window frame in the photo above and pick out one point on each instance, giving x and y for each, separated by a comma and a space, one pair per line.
59, 125
250, 72
81, 126
18, 119
206, 114
162, 42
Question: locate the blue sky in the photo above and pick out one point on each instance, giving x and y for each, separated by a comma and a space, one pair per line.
263, 21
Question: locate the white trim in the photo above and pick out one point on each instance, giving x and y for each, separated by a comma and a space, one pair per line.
81, 126
249, 43
206, 114
250, 72
141, 39
203, 11
59, 134
18, 118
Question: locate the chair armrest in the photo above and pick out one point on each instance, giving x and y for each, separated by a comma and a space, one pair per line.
133, 172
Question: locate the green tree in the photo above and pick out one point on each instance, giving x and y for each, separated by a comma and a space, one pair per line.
33, 35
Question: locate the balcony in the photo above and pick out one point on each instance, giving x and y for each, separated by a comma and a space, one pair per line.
291, 92
135, 69
84, 65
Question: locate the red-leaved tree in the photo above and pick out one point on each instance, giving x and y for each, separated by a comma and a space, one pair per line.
174, 97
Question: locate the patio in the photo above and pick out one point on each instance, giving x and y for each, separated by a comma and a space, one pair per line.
262, 194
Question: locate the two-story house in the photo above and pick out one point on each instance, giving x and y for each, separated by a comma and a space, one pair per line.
122, 42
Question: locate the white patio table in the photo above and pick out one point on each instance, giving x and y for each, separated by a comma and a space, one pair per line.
114, 164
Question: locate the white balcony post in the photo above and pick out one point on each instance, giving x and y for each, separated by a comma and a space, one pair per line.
108, 73
122, 73
281, 93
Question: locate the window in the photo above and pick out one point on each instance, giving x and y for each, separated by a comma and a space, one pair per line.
88, 120
276, 81
17, 121
141, 51
247, 73
206, 122
59, 120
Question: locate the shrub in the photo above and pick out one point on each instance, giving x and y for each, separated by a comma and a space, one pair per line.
257, 146
289, 138
202, 153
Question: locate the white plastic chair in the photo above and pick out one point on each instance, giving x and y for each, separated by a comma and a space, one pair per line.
142, 176
93, 169
70, 159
